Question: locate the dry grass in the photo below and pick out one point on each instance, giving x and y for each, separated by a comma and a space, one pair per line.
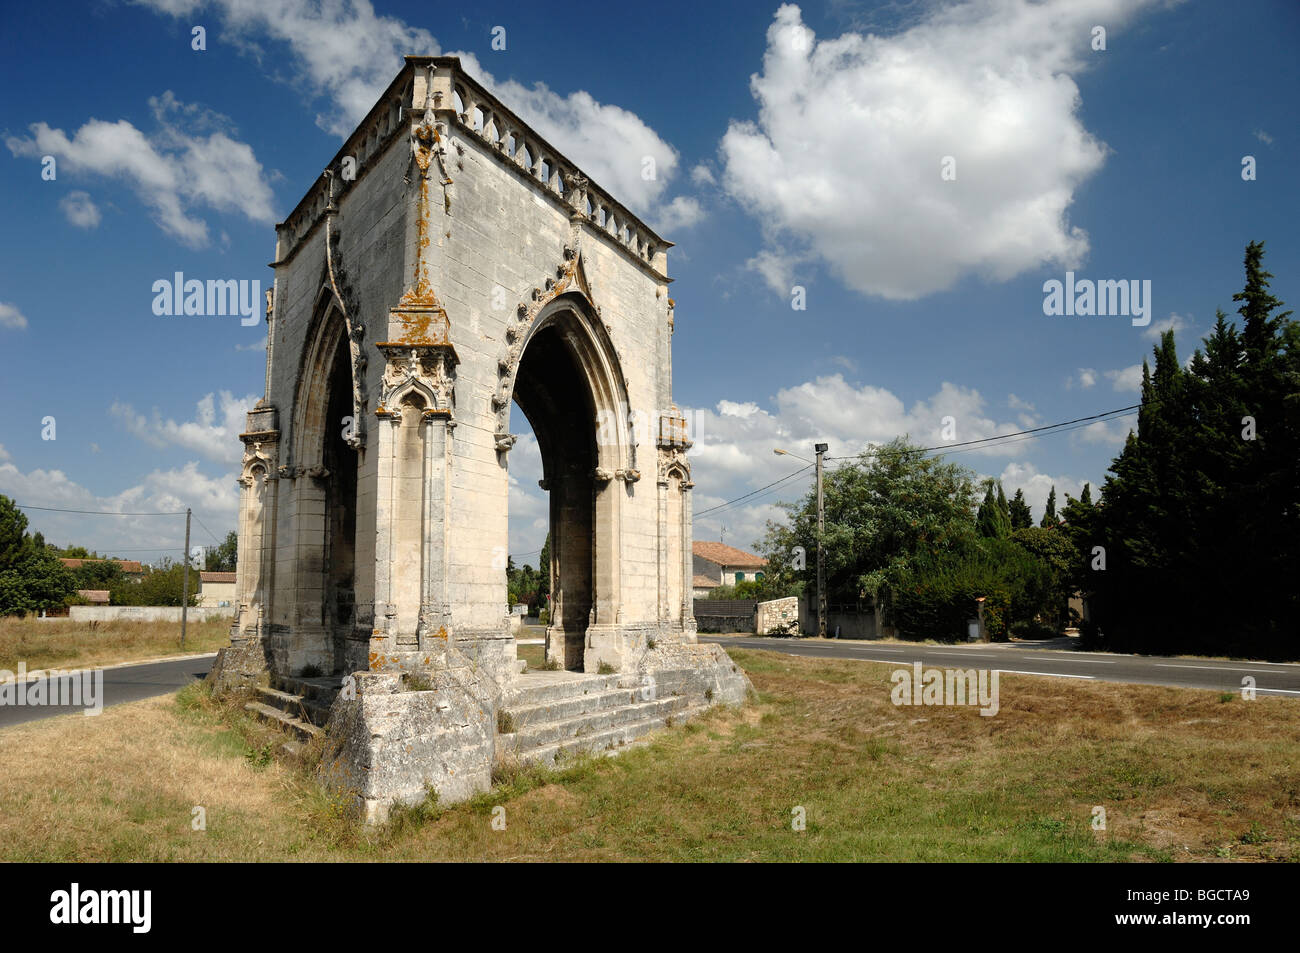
62, 643
1182, 776
534, 655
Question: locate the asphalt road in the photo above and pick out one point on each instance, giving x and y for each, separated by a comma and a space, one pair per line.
1026, 659
127, 683
133, 682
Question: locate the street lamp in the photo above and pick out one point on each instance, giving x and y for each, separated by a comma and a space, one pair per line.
820, 449
786, 453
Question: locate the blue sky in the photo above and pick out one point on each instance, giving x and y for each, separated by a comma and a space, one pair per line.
795, 146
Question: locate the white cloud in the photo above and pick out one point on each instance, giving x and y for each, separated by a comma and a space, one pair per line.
611, 145
1085, 377
4, 454
1037, 486
682, 212
11, 317
215, 501
1108, 433
173, 171
342, 51
734, 442
1263, 137
703, 175
80, 210
844, 159
1178, 323
214, 431
1126, 378
348, 54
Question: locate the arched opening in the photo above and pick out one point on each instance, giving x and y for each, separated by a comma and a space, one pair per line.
551, 390
340, 462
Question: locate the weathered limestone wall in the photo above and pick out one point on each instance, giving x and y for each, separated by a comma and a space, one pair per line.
447, 257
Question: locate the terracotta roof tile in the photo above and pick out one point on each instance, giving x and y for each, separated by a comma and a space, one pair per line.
725, 555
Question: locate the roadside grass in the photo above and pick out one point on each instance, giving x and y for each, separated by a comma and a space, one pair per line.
62, 643
534, 655
1180, 774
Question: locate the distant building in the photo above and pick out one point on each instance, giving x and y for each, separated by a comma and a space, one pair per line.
216, 589
132, 569
701, 586
717, 564
96, 597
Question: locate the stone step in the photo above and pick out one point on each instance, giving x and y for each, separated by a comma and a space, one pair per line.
536, 688
307, 709
302, 730
607, 742
541, 734
525, 715
322, 689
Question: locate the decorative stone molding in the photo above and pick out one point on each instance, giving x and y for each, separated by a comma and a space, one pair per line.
570, 275
428, 369
602, 475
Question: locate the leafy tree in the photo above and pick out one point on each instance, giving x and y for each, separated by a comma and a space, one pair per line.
887, 508
544, 573
1208, 491
1056, 554
224, 557
1019, 513
993, 521
31, 576
98, 574
1049, 512
161, 586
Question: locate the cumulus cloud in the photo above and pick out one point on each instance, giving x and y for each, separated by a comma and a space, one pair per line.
1108, 433
1126, 378
174, 170
215, 500
1025, 476
214, 431
1178, 323
734, 441
80, 210
11, 317
682, 212
1084, 377
844, 161
342, 51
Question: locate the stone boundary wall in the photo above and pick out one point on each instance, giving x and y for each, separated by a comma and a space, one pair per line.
146, 613
777, 614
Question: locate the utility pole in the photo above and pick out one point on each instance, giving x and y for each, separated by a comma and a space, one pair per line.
821, 561
185, 584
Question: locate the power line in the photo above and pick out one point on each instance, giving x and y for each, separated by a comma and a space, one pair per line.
55, 509
1019, 433
1014, 437
205, 529
753, 492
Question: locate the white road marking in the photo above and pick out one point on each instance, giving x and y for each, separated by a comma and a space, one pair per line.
1010, 671
1209, 668
1082, 661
